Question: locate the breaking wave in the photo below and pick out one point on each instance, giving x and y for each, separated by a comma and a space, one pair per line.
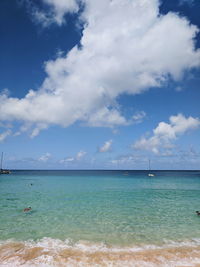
49, 252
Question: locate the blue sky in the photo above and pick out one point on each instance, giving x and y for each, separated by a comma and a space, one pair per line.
100, 84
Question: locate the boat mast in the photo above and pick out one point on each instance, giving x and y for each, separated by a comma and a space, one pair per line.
1, 161
149, 165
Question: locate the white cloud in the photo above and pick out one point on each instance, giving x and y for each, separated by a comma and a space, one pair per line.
78, 157
38, 127
45, 157
106, 147
130, 160
126, 47
164, 133
123, 160
33, 130
151, 144
105, 117
55, 13
67, 160
138, 116
178, 125
4, 135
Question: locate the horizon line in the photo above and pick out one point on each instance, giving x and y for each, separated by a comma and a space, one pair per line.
104, 170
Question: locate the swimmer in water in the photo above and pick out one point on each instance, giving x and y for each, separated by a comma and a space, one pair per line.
198, 213
27, 209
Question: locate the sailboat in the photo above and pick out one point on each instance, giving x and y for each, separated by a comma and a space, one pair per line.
150, 174
2, 171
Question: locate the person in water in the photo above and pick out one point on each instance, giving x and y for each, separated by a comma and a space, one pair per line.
198, 213
27, 209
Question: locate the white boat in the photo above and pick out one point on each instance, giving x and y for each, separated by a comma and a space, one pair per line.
2, 171
150, 174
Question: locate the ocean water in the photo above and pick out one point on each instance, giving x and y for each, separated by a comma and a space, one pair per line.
100, 218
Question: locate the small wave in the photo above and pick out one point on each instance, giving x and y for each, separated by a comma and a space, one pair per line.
49, 252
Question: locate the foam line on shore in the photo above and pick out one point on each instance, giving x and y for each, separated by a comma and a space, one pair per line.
49, 252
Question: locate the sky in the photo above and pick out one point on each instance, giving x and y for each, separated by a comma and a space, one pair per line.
110, 84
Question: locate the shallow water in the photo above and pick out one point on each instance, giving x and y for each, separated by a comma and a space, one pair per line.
81, 211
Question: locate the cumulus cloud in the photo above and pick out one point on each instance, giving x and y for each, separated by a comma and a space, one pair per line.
165, 133
105, 117
106, 147
126, 48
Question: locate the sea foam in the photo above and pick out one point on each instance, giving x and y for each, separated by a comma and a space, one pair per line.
49, 252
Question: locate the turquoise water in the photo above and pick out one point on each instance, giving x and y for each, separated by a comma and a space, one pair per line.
100, 206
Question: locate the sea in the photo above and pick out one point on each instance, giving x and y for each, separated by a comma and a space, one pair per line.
100, 218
